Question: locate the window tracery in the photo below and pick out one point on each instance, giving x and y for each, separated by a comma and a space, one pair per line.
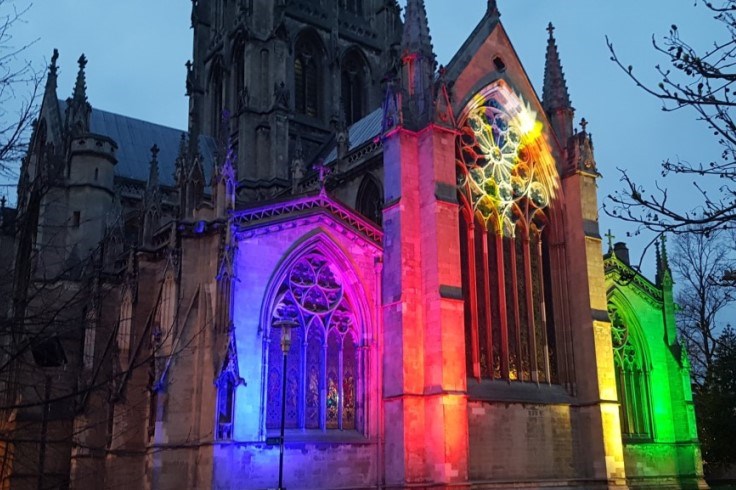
507, 180
632, 379
321, 371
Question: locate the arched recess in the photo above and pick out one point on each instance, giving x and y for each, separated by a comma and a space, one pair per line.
309, 56
239, 76
354, 80
633, 366
508, 193
326, 376
216, 91
369, 201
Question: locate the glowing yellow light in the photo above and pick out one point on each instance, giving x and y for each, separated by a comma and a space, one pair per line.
507, 170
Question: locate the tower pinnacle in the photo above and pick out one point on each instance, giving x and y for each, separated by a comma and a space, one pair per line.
418, 62
151, 200
555, 98
51, 80
78, 108
554, 94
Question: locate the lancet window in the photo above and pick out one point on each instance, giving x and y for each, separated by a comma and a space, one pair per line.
226, 384
240, 92
307, 76
216, 93
507, 182
370, 200
322, 376
353, 87
632, 379
124, 326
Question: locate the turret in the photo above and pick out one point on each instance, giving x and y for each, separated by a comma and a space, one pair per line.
555, 97
580, 153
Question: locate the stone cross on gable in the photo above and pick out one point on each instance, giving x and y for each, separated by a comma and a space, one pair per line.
583, 124
323, 171
610, 237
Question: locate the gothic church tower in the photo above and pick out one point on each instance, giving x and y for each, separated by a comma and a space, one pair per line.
281, 69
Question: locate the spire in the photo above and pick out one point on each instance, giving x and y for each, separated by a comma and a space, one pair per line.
80, 87
78, 108
53, 69
554, 94
418, 62
664, 274
50, 99
153, 168
152, 200
665, 259
493, 8
416, 38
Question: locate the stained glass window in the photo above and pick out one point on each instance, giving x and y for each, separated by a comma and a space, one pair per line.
507, 180
632, 379
322, 376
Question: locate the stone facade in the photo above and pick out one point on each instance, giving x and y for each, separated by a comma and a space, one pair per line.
424, 245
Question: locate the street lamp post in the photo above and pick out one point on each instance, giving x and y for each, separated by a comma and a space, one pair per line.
285, 326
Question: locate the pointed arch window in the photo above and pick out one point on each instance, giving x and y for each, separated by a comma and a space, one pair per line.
216, 97
353, 89
370, 200
632, 379
506, 184
307, 76
322, 375
239, 74
226, 384
124, 326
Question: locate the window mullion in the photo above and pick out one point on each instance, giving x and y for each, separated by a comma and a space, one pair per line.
502, 307
473, 300
302, 403
341, 384
530, 308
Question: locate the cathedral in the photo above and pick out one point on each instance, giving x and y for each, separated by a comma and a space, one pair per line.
356, 269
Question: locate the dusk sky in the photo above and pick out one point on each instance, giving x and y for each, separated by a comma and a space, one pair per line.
137, 50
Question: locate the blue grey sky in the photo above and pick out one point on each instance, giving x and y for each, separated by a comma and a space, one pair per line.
137, 50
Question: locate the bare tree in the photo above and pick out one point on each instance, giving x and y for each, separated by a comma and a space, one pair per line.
702, 81
19, 85
699, 264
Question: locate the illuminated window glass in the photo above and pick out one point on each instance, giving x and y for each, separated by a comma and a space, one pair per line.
506, 181
632, 379
321, 370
